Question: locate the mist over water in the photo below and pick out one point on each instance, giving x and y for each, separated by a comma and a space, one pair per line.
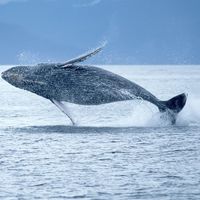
122, 150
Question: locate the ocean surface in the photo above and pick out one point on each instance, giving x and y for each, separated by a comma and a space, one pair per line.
120, 151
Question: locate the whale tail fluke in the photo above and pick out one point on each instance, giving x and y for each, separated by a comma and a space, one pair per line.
173, 106
176, 103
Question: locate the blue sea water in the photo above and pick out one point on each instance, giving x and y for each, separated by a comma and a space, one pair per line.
117, 151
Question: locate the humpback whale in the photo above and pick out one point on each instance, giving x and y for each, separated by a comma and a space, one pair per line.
82, 84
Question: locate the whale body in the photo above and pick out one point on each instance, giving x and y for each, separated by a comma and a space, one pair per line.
85, 85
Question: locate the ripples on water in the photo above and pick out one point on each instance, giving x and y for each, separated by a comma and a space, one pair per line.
122, 152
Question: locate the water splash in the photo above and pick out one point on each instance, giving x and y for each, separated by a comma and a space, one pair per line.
133, 113
121, 114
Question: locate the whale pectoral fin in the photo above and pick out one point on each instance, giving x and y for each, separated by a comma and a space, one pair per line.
82, 57
63, 108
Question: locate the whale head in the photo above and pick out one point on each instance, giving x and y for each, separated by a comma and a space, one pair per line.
31, 78
16, 76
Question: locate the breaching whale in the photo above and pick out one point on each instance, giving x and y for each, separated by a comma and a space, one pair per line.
85, 85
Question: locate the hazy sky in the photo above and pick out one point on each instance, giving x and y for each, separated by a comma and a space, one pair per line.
137, 31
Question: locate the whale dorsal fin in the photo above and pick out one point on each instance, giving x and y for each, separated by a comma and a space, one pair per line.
82, 57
